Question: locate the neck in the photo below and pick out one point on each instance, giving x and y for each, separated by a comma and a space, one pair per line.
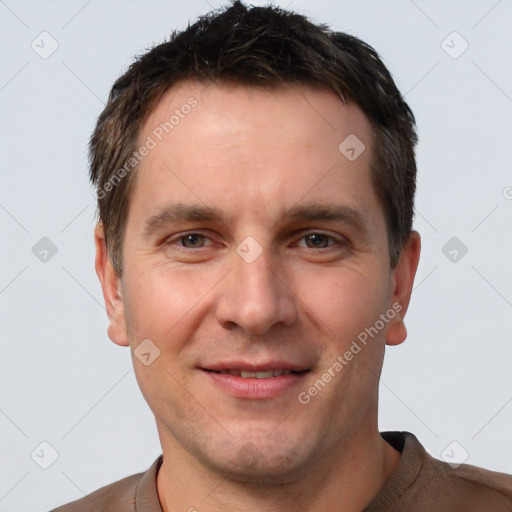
347, 480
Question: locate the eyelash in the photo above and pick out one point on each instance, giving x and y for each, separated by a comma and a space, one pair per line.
337, 241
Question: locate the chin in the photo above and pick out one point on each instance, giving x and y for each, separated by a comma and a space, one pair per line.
271, 475
269, 466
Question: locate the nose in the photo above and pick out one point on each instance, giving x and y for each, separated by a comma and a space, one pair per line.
255, 296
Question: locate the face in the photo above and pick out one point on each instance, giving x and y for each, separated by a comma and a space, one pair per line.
255, 259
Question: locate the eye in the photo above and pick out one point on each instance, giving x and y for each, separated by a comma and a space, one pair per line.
192, 240
189, 240
321, 240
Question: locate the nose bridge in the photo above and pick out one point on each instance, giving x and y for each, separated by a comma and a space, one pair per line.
254, 297
256, 275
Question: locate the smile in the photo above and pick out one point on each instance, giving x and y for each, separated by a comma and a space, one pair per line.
259, 385
268, 374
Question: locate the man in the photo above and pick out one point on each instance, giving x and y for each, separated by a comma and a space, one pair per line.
255, 178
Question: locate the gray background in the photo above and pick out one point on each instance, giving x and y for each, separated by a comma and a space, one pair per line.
64, 382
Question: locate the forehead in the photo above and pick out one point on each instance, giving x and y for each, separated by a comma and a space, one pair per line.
253, 150
297, 114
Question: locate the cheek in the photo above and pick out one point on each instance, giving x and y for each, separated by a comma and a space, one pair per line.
160, 303
160, 306
345, 301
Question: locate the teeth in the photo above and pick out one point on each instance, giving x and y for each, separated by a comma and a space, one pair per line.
262, 375
268, 374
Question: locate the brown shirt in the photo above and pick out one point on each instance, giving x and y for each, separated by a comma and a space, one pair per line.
419, 484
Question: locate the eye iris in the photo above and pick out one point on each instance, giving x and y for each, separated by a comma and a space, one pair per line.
317, 240
191, 240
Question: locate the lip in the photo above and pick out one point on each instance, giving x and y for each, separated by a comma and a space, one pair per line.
254, 367
252, 388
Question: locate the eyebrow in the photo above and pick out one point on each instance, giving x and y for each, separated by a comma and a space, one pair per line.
179, 212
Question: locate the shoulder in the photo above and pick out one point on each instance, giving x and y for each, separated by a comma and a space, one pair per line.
121, 494
474, 486
116, 493
423, 483
466, 486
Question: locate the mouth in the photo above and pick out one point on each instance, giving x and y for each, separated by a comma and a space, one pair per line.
265, 374
256, 383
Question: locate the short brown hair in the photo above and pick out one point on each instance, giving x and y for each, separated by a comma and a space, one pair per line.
257, 47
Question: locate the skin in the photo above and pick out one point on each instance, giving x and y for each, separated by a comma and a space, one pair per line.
253, 154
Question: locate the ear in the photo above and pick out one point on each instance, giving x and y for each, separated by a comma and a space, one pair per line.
112, 289
402, 281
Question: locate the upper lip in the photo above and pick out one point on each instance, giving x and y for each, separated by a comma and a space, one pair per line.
254, 367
